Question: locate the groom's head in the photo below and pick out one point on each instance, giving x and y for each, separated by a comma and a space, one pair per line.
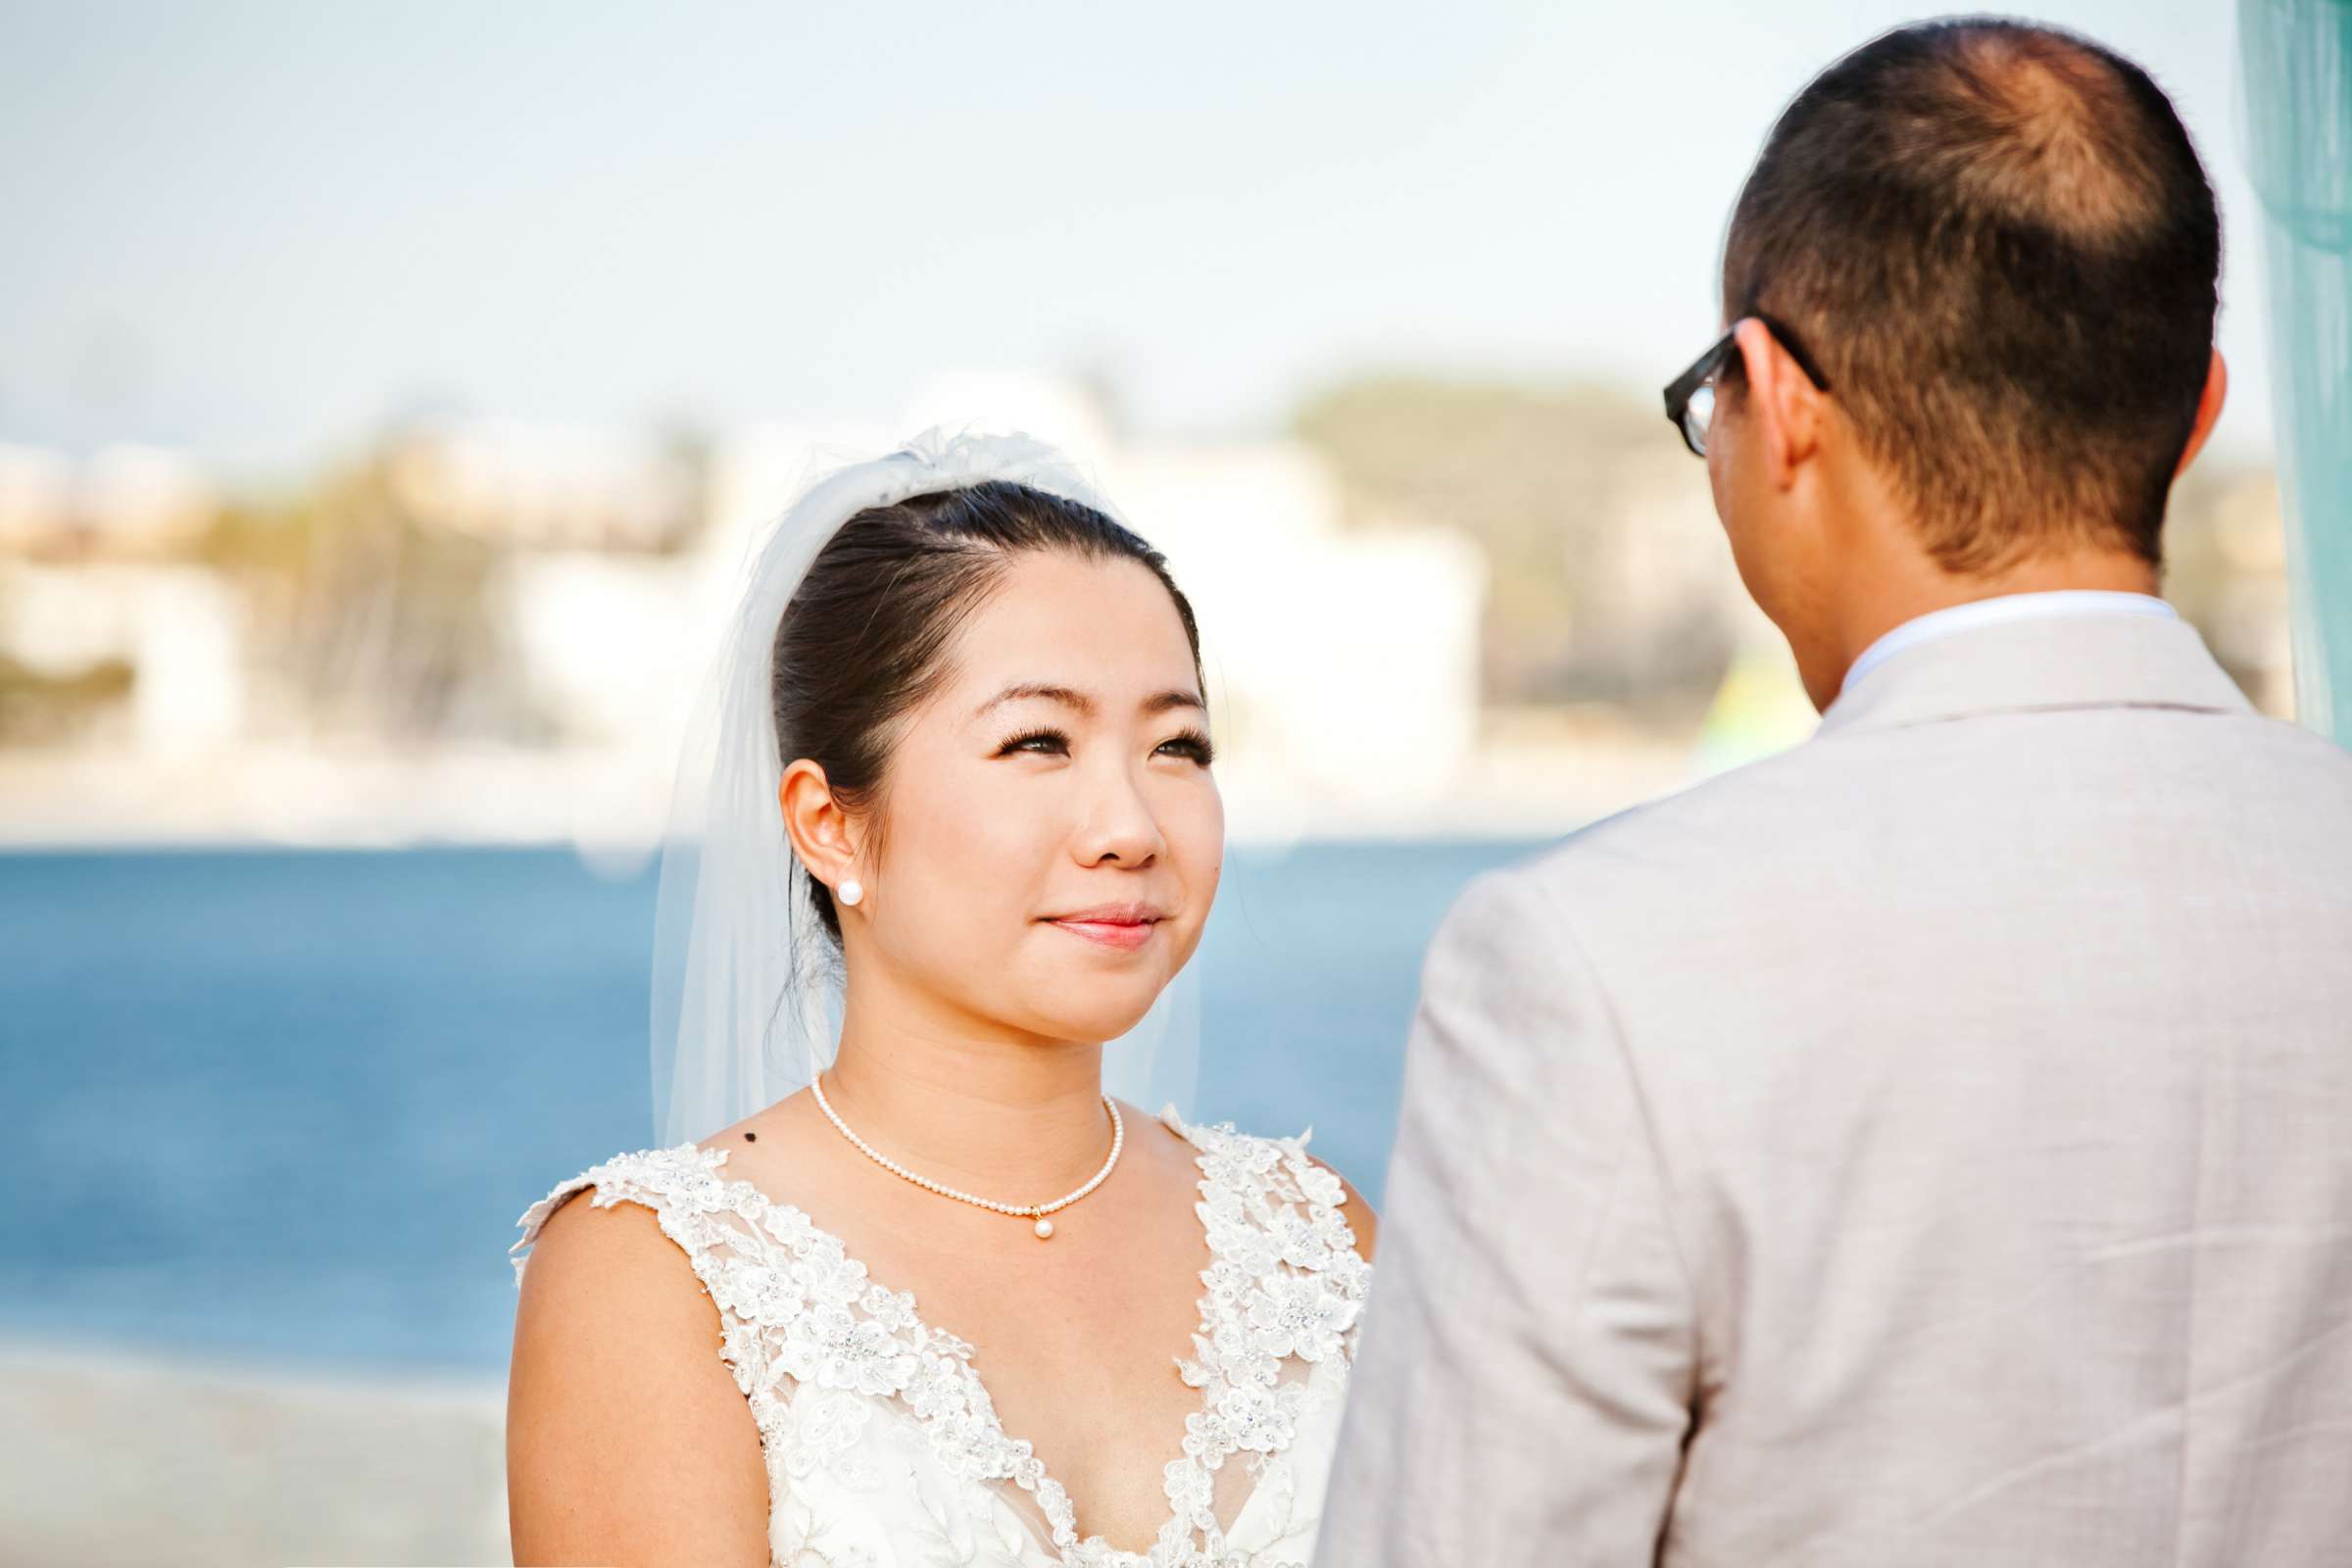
1972, 276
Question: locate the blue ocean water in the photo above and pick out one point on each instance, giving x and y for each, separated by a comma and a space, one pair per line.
285, 1105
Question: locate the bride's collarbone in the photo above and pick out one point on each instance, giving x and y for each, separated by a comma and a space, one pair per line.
1105, 1308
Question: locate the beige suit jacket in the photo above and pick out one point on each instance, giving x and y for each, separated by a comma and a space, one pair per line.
1933, 1145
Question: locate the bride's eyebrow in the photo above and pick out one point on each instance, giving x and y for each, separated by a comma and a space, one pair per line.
1068, 697
1167, 700
1080, 701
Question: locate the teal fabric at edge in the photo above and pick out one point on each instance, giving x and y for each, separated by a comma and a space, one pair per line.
2296, 59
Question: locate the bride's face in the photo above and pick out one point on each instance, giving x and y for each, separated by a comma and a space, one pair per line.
1052, 833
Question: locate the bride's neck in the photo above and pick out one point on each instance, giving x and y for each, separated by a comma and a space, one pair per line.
999, 1116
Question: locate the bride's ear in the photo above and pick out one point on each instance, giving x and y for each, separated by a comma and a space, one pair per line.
820, 831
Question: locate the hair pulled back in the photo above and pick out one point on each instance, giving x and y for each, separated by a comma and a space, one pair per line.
864, 639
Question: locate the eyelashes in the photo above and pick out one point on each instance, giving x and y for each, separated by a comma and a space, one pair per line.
1193, 744
1050, 742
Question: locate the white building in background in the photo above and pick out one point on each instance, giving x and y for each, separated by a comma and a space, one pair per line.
80, 590
189, 645
36, 490
1343, 665
135, 499
546, 487
180, 629
123, 501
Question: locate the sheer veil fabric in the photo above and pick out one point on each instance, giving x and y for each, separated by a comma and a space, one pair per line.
746, 984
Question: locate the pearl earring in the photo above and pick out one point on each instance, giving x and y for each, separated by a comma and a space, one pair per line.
850, 892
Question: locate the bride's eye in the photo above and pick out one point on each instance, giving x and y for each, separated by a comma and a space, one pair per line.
1042, 742
1193, 744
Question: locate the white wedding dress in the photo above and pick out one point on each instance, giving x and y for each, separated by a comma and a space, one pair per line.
883, 1447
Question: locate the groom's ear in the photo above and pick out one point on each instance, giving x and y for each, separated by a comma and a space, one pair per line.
2209, 410
822, 832
1781, 407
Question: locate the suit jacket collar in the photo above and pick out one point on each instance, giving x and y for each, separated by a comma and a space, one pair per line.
2050, 662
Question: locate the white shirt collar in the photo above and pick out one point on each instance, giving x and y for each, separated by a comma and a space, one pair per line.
2005, 608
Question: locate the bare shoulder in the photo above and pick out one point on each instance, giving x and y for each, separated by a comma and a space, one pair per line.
1359, 1216
627, 1440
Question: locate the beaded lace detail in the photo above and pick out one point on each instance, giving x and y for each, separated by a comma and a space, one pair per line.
819, 1348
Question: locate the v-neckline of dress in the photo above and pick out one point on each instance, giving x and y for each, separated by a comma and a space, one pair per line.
1028, 1471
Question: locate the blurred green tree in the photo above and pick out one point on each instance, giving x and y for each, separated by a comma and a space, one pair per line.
1547, 479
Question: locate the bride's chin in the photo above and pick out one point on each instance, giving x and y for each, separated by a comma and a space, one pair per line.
1105, 1021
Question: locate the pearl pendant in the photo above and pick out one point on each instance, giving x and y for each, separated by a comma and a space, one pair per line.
1045, 1230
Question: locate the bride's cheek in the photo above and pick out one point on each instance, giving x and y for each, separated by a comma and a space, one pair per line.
1199, 845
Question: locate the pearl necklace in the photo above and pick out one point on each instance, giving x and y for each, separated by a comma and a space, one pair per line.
1036, 1211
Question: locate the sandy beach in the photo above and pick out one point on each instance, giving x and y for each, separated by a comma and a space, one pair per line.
135, 1458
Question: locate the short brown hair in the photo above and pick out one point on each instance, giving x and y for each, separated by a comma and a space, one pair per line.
1998, 239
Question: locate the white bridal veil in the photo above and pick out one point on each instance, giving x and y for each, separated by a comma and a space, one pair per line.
746, 983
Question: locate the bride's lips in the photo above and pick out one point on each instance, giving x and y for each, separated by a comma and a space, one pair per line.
1125, 926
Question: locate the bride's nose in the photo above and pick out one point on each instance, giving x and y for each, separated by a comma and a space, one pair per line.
1119, 827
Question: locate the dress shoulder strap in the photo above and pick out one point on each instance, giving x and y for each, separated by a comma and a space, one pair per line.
696, 1208
1276, 1222
758, 1262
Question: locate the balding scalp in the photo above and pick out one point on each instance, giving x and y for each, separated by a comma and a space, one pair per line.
2000, 241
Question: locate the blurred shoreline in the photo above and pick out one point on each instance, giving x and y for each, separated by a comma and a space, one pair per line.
134, 1456
1431, 612
609, 804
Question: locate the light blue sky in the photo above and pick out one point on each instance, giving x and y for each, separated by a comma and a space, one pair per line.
255, 231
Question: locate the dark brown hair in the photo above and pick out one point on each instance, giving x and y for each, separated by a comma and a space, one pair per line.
865, 637
1999, 241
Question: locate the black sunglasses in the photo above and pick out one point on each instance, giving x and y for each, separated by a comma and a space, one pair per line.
1690, 396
